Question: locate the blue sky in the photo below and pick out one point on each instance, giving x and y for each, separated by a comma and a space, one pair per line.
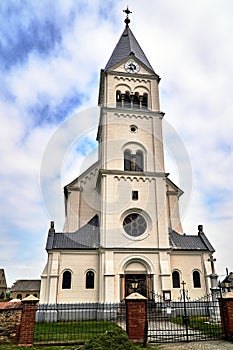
51, 53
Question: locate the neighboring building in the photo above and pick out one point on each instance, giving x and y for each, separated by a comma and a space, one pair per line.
23, 288
227, 283
3, 286
122, 214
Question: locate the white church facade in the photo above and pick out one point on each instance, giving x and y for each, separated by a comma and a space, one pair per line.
122, 214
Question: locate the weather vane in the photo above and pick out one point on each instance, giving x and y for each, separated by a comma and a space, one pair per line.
127, 20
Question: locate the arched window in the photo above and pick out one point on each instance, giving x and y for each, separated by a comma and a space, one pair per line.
127, 160
139, 161
133, 162
196, 279
19, 296
144, 101
66, 280
118, 99
90, 280
127, 103
136, 101
175, 279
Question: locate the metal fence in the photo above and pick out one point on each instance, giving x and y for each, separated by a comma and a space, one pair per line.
68, 323
167, 321
184, 321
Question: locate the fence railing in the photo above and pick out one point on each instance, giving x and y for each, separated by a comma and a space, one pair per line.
184, 321
167, 321
66, 323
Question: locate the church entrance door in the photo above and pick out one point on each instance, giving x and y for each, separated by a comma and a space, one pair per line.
135, 283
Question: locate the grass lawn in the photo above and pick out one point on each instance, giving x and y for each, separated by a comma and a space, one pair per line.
71, 331
202, 324
63, 332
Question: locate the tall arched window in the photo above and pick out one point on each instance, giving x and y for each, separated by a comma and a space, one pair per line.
133, 162
127, 160
127, 102
196, 279
66, 280
136, 101
118, 99
90, 280
139, 161
175, 279
144, 101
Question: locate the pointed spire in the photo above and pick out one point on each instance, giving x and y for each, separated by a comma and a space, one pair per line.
126, 46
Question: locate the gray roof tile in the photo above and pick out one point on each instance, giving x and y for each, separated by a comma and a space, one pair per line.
127, 45
87, 237
25, 285
189, 242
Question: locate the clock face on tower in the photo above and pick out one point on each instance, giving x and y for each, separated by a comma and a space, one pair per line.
132, 67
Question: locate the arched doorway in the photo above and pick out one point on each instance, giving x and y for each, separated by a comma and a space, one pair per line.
135, 283
136, 278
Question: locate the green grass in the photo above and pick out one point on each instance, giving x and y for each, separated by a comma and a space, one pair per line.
202, 324
78, 331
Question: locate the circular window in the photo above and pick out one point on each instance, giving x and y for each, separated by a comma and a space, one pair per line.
133, 128
134, 224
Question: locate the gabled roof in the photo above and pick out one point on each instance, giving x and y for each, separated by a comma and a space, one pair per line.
87, 237
126, 46
25, 285
189, 242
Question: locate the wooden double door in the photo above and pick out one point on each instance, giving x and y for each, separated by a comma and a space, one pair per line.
140, 283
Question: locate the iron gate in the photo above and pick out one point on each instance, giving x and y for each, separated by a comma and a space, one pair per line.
183, 320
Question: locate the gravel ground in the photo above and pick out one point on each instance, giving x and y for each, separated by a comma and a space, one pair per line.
205, 345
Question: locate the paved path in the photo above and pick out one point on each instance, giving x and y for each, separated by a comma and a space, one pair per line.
165, 330
204, 345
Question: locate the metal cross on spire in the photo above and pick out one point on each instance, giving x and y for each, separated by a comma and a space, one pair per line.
127, 20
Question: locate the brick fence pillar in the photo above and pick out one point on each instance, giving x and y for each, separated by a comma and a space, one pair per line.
226, 312
29, 308
136, 317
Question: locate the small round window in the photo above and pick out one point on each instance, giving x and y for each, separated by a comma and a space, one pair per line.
134, 224
133, 128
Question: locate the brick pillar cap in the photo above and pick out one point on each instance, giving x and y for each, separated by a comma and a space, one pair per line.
30, 298
135, 296
228, 295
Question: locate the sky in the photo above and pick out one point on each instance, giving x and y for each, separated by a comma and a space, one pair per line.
51, 53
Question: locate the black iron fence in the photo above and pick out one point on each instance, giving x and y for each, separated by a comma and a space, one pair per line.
184, 321
167, 321
67, 323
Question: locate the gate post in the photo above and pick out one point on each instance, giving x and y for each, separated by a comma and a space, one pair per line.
226, 312
26, 334
136, 317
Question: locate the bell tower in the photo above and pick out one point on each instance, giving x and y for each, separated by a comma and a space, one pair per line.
132, 182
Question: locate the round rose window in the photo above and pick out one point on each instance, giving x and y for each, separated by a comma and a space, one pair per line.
134, 224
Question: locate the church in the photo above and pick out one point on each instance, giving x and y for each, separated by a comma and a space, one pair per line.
122, 231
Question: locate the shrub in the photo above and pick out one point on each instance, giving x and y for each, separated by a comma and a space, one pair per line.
117, 340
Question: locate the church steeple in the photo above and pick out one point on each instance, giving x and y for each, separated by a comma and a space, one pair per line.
126, 46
